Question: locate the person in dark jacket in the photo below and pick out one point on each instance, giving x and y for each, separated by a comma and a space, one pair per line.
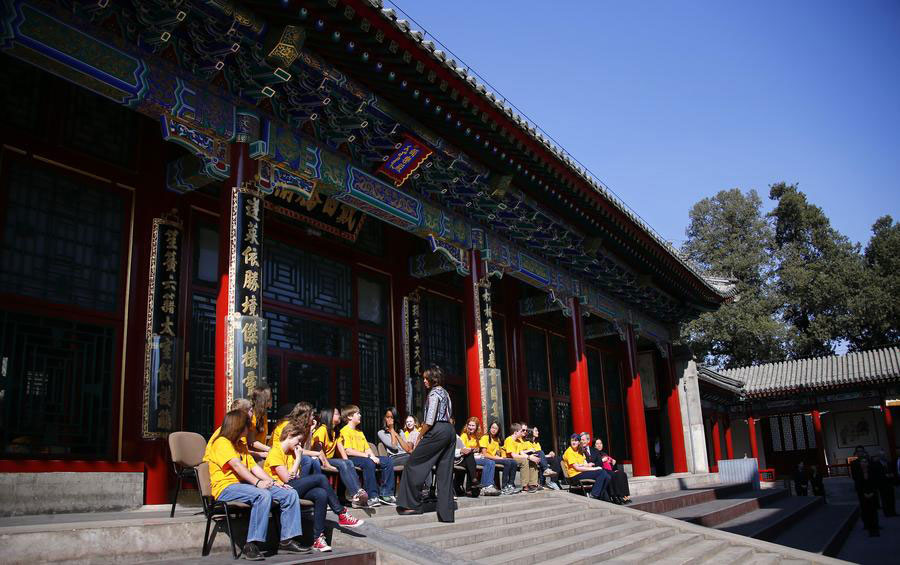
801, 480
618, 485
867, 488
882, 471
816, 481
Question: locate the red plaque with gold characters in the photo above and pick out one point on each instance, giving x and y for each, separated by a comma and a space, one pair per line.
410, 154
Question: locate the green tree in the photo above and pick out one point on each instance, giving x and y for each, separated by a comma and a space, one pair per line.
875, 310
818, 273
729, 236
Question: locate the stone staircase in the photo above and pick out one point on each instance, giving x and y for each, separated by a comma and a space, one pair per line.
558, 527
801, 522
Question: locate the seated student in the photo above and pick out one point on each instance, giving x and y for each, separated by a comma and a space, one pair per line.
310, 461
491, 450
472, 457
358, 451
235, 476
261, 397
411, 431
394, 441
618, 484
576, 467
549, 462
283, 464
241, 404
324, 438
515, 447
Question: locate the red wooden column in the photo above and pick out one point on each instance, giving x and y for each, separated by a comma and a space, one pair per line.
751, 429
889, 428
242, 169
820, 440
717, 442
729, 446
473, 347
578, 375
634, 402
673, 407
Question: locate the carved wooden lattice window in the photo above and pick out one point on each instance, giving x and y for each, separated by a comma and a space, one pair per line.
564, 425
792, 432
617, 441
99, 127
536, 360
303, 335
595, 388
442, 334
62, 240
200, 390
299, 278
539, 415
559, 364
309, 381
57, 387
374, 389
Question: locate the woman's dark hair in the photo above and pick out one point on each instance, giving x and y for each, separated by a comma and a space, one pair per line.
435, 376
260, 396
325, 419
499, 435
393, 411
234, 425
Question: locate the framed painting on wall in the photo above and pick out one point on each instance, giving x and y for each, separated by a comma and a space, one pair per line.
855, 428
647, 370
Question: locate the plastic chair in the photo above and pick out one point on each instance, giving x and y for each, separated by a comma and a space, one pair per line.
187, 449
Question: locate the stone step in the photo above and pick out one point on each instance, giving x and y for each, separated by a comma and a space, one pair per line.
764, 559
823, 531
334, 557
583, 548
718, 511
696, 553
537, 539
537, 526
434, 528
503, 504
766, 523
669, 501
733, 554
651, 551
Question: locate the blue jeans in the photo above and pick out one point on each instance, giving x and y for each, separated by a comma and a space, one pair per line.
488, 468
601, 479
261, 502
317, 489
348, 475
310, 466
542, 466
509, 471
386, 464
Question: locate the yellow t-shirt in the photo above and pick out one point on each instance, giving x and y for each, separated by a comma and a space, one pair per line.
353, 439
513, 446
221, 475
213, 438
276, 433
571, 458
276, 457
491, 446
321, 436
469, 441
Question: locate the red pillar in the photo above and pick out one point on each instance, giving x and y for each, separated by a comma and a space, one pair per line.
634, 401
242, 169
729, 447
578, 376
751, 429
889, 428
820, 440
473, 350
717, 442
673, 407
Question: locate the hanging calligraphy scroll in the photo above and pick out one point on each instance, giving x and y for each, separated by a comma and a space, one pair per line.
162, 374
491, 392
245, 343
412, 352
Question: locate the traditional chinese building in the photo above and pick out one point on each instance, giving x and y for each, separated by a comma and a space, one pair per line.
200, 196
812, 410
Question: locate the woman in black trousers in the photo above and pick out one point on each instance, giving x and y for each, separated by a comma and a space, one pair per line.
435, 447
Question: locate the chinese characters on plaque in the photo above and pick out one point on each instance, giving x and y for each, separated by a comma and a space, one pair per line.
162, 374
491, 388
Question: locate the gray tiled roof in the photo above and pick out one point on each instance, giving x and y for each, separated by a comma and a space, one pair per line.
864, 367
535, 133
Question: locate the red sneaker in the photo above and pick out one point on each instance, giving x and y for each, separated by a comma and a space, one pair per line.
321, 545
347, 520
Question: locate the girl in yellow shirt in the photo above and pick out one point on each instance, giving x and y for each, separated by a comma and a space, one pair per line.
235, 477
490, 450
358, 451
324, 439
472, 458
283, 463
576, 467
261, 397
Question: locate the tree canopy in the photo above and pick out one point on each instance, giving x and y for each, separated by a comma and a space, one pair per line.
803, 287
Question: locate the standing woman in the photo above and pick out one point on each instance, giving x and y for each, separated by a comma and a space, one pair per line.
436, 445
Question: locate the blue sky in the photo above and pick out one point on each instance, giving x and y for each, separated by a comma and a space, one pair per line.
669, 102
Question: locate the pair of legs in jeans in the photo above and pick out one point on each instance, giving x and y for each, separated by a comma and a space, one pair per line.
261, 502
348, 476
488, 468
317, 489
601, 480
509, 470
309, 466
386, 465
